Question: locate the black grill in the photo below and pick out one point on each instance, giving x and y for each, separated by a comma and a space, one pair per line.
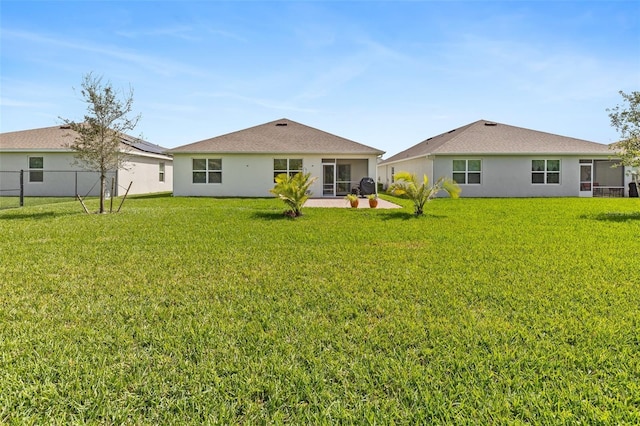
367, 186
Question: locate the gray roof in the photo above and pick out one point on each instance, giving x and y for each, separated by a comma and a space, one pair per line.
487, 137
278, 137
58, 138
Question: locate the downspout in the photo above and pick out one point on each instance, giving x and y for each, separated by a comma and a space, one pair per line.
376, 178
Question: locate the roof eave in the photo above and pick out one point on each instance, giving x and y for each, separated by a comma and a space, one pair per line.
173, 152
523, 154
57, 150
415, 157
149, 155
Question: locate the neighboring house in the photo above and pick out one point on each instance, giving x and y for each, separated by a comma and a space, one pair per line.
244, 163
490, 159
50, 169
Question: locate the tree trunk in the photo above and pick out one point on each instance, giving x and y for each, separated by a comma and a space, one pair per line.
103, 180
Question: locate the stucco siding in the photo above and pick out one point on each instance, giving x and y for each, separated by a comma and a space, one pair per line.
14, 161
63, 178
510, 176
144, 172
251, 175
418, 166
60, 177
502, 175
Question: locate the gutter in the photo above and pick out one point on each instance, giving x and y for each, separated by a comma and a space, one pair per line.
325, 153
416, 157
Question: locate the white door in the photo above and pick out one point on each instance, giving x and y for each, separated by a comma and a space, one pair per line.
586, 180
328, 180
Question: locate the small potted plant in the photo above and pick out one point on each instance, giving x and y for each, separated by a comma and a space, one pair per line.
373, 200
353, 200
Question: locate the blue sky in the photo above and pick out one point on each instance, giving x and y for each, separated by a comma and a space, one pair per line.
386, 74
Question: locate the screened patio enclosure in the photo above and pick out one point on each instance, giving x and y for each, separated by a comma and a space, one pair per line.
599, 178
340, 176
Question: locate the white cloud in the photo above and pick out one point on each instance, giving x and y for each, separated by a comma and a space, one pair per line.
182, 32
160, 66
332, 73
8, 102
268, 103
542, 72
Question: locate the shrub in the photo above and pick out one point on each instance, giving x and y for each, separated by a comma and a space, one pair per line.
407, 185
293, 190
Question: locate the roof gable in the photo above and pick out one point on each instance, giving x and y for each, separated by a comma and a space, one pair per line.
279, 136
487, 137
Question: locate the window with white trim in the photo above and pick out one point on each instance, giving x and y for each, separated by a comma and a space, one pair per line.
290, 166
36, 166
207, 170
161, 171
545, 172
467, 172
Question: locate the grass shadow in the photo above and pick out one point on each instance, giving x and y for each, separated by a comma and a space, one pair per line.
404, 215
34, 216
271, 215
151, 196
613, 216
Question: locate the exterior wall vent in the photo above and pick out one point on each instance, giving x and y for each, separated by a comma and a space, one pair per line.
281, 124
489, 123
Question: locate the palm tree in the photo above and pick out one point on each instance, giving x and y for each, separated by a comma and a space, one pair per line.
406, 184
293, 190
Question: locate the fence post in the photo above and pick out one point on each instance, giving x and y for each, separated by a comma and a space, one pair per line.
21, 188
113, 184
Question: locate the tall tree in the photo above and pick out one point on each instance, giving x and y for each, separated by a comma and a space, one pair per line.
98, 144
626, 119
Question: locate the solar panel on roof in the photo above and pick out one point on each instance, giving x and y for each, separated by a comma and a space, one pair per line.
148, 147
145, 146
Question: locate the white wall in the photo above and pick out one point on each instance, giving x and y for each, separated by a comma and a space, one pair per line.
64, 179
502, 176
144, 172
251, 175
60, 177
508, 176
418, 166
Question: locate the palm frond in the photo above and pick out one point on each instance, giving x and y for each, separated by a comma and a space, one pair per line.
293, 190
406, 184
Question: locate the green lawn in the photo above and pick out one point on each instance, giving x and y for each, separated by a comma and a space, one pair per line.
14, 202
184, 310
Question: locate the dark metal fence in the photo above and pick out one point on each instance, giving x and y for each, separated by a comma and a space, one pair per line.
18, 187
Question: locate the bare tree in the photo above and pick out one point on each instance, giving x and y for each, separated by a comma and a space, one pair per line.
98, 145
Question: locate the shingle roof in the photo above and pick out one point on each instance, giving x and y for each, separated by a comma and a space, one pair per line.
280, 136
57, 138
488, 137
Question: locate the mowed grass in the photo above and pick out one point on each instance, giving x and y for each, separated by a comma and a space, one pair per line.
7, 202
206, 311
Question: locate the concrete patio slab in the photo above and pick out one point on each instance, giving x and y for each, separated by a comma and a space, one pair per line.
342, 203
